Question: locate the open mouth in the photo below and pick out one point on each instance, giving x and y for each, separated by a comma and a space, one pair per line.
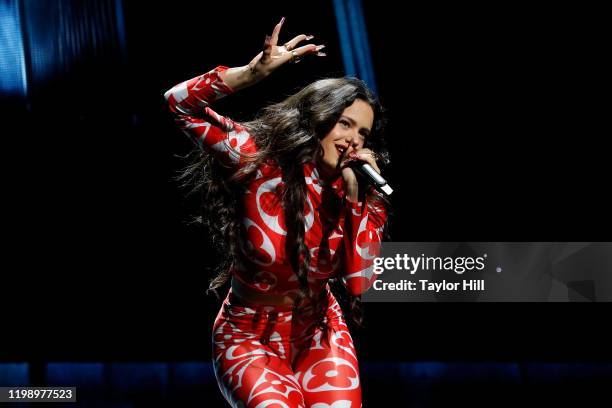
340, 150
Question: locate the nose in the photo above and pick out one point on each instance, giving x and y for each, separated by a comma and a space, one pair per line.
352, 140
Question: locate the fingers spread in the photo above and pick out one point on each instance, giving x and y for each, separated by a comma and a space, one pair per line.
308, 49
296, 40
276, 31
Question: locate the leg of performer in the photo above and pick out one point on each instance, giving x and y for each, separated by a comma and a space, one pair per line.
327, 367
251, 357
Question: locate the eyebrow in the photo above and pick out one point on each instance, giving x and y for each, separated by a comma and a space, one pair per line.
355, 123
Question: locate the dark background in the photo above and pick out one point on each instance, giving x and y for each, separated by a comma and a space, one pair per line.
494, 132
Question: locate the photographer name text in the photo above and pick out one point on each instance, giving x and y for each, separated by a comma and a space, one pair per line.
430, 286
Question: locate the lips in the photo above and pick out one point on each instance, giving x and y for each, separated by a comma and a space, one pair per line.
340, 150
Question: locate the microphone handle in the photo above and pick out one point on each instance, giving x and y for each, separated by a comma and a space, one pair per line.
371, 175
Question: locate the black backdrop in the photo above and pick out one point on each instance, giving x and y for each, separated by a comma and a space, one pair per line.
493, 133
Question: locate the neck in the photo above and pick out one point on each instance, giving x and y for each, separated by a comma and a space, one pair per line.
325, 174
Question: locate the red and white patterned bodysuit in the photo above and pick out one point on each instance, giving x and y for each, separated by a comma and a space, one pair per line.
272, 356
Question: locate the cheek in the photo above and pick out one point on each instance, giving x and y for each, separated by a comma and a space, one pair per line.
329, 149
332, 135
328, 141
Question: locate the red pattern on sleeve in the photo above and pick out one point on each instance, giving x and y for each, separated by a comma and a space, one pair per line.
221, 136
362, 238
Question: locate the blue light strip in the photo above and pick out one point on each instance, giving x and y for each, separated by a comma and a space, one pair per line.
120, 27
345, 38
13, 76
354, 41
360, 31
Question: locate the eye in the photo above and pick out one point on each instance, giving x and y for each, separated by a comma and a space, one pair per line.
344, 123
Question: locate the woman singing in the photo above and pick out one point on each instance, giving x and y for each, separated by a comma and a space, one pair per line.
293, 220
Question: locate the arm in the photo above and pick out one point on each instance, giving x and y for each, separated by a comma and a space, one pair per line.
190, 101
221, 136
364, 224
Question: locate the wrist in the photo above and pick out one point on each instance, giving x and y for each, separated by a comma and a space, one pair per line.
352, 191
240, 77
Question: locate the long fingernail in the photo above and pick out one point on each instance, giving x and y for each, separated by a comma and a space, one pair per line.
309, 37
282, 20
320, 47
321, 54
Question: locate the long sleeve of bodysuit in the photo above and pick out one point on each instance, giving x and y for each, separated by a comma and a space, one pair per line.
363, 228
190, 102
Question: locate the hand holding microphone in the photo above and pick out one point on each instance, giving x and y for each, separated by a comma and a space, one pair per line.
363, 163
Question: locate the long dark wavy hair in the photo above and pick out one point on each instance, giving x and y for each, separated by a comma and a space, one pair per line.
287, 133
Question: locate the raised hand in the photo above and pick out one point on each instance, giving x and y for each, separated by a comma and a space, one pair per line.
270, 58
273, 55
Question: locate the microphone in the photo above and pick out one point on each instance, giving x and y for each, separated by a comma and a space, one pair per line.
370, 175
